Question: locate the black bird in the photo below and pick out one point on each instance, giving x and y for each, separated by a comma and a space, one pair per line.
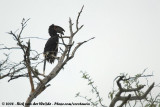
51, 46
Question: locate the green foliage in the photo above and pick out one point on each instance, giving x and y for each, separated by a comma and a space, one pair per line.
98, 100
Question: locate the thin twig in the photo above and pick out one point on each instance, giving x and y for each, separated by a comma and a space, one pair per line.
77, 21
33, 38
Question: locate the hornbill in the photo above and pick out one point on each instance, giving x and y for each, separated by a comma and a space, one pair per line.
51, 46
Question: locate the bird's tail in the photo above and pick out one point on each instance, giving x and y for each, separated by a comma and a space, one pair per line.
44, 66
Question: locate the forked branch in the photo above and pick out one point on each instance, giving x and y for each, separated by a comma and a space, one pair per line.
62, 60
129, 97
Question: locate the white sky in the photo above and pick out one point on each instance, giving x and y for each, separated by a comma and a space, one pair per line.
127, 40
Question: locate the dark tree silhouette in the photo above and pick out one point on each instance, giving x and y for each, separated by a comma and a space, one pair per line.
31, 58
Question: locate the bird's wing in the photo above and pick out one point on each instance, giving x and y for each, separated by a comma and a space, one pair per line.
50, 49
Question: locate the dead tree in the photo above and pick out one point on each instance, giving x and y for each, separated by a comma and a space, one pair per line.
30, 62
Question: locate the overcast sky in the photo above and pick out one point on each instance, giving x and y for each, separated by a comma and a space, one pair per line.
127, 40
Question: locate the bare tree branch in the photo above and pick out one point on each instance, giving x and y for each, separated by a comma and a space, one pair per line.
123, 93
33, 38
124, 99
77, 21
9, 48
31, 58
65, 57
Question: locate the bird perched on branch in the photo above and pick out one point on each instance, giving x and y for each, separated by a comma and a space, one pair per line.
51, 46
